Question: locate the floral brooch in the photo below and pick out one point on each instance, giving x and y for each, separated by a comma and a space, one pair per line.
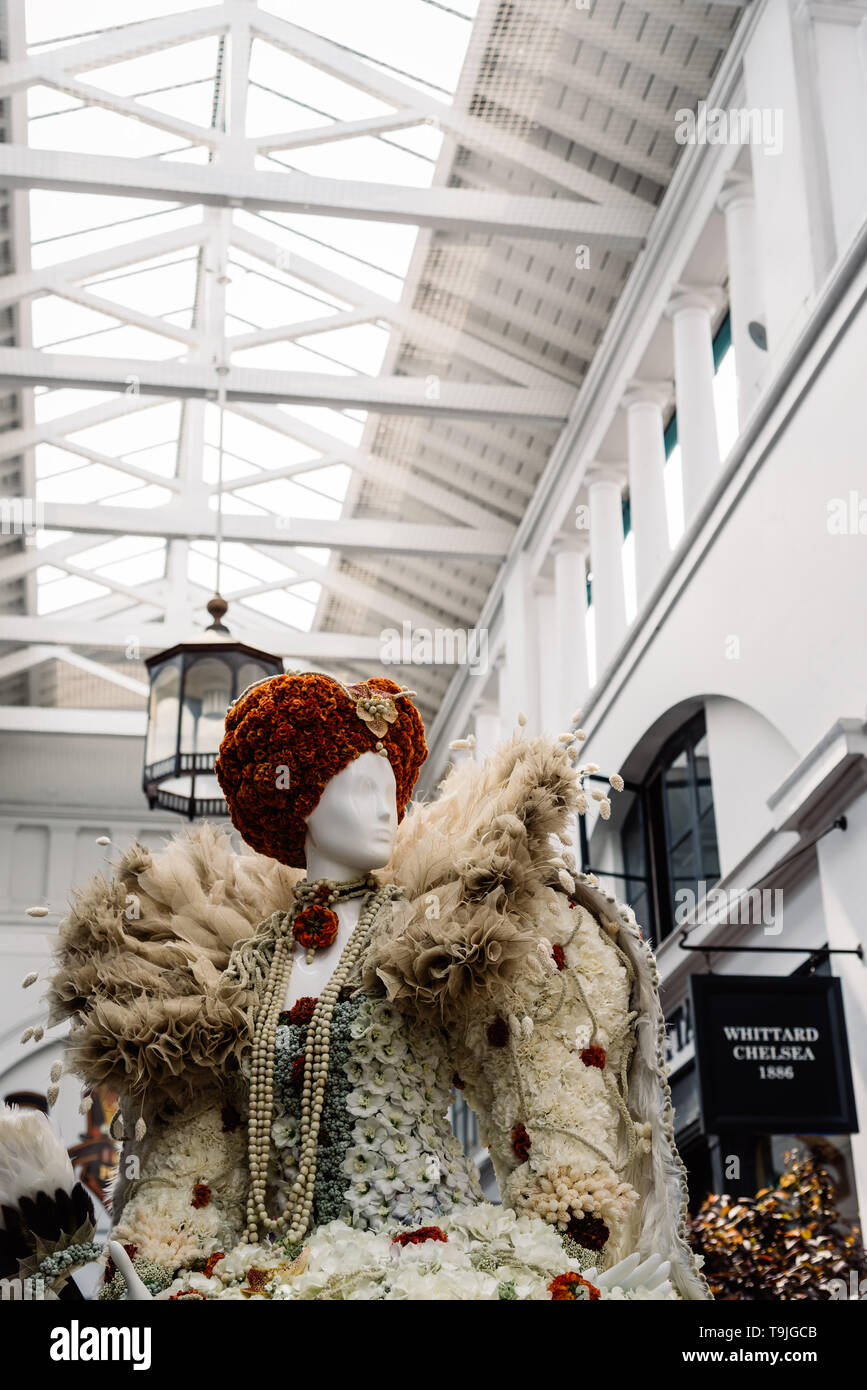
374, 707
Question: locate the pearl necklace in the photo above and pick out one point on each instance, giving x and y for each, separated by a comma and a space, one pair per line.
299, 1202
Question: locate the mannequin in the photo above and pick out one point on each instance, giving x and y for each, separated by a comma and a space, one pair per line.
288, 1050
350, 832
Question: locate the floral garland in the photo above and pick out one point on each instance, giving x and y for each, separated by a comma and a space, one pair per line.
480, 1252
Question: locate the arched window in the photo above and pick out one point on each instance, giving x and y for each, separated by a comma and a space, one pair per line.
665, 844
683, 826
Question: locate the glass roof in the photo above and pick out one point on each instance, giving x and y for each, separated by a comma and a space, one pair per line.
268, 304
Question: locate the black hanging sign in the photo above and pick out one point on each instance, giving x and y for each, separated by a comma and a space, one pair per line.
772, 1054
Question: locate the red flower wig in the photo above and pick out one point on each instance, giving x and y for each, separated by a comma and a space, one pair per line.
288, 736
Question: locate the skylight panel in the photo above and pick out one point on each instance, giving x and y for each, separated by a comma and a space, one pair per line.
151, 427
51, 21
143, 495
409, 35
159, 288
183, 62
264, 568
119, 548
50, 405
290, 357
52, 596
55, 319
286, 608
284, 497
190, 101
266, 301
364, 158
292, 238
334, 422
93, 130
281, 73
91, 223
361, 347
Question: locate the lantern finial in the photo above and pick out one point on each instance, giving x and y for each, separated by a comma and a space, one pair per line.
217, 607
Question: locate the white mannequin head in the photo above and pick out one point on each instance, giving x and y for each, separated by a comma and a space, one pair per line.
352, 828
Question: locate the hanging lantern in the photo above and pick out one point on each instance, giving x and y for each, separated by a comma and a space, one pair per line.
191, 687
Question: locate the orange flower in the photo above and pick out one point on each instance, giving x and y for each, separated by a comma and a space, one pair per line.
213, 1261
567, 1288
316, 926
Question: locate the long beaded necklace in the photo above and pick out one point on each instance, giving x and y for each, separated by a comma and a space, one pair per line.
313, 903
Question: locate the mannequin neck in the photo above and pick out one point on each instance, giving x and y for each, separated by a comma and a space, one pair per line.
322, 865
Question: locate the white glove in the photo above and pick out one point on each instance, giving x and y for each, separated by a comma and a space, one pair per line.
635, 1273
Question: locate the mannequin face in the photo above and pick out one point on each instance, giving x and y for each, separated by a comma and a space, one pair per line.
353, 827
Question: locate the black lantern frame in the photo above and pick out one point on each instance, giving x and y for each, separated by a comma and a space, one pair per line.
216, 642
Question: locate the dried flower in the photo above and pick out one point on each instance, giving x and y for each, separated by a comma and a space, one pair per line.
201, 1195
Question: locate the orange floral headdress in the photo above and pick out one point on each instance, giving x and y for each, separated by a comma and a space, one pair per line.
287, 736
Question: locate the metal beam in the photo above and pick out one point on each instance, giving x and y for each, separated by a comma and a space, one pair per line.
617, 223
313, 646
43, 719
48, 279
387, 395
349, 534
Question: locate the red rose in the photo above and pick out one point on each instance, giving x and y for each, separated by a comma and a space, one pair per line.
521, 1142
418, 1237
593, 1057
589, 1231
302, 1010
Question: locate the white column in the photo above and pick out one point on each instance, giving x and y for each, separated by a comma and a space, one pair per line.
604, 492
570, 598
486, 727
691, 312
550, 721
737, 203
644, 403
519, 677
793, 221
840, 48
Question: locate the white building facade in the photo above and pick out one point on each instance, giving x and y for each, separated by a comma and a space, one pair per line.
721, 662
